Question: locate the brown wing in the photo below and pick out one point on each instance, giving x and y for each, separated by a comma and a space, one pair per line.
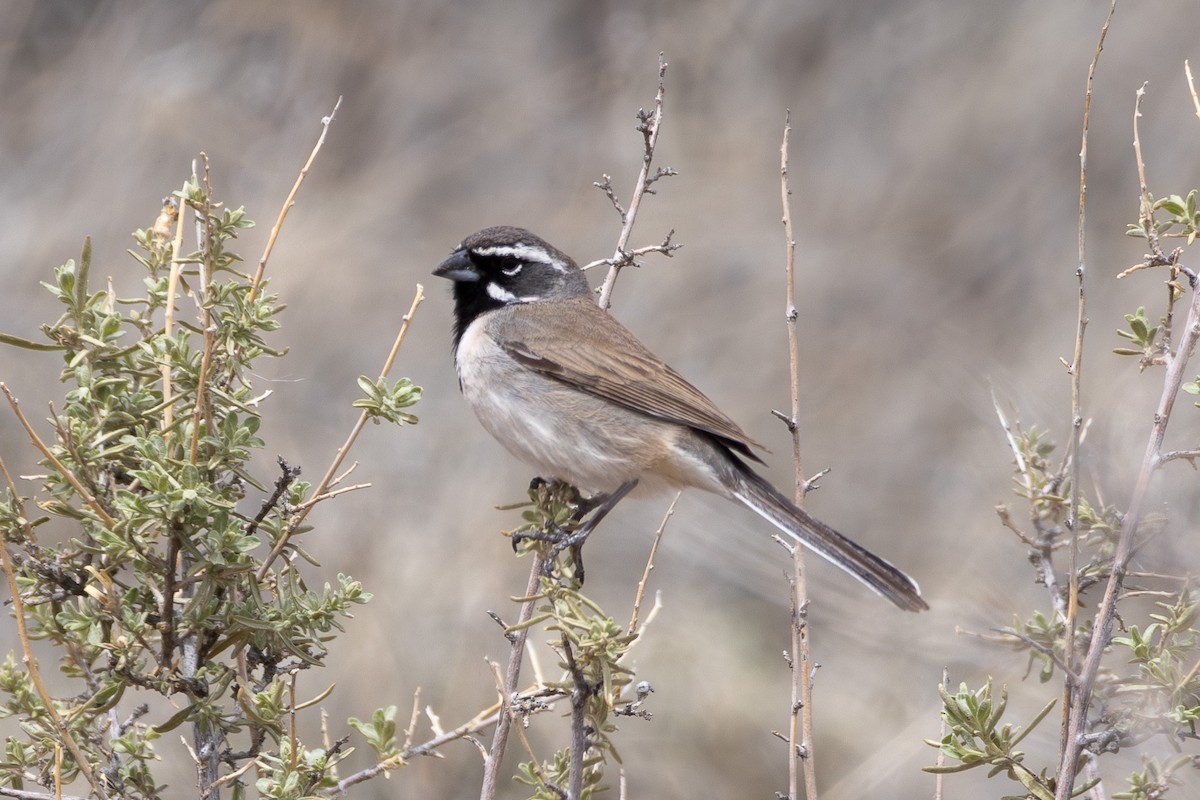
577, 343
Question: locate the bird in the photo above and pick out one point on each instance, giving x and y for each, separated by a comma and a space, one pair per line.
570, 391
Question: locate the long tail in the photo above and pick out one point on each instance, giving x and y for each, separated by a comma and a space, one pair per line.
869, 568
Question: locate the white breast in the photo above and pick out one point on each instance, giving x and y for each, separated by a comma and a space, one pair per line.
559, 430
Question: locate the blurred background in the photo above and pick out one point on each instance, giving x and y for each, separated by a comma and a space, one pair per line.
935, 176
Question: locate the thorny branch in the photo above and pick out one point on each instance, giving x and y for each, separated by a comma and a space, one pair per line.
649, 124
800, 725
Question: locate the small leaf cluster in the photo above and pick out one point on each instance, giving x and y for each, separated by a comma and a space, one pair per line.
548, 777
975, 737
1178, 218
297, 773
1142, 334
1163, 695
1045, 485
383, 402
1042, 637
380, 732
1153, 782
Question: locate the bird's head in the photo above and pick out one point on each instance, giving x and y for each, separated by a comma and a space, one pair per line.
504, 266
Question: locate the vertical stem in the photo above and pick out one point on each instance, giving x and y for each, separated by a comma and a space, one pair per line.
1069, 624
512, 677
579, 740
169, 311
939, 777
800, 742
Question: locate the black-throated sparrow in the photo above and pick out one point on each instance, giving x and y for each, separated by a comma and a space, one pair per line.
571, 392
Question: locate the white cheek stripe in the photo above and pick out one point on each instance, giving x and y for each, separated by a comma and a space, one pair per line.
498, 292
524, 252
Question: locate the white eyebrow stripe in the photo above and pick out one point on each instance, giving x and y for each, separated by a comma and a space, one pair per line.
498, 292
523, 252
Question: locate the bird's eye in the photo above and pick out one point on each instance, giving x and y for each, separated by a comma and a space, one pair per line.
513, 270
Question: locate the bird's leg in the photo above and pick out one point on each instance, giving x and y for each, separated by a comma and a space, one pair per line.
585, 505
602, 504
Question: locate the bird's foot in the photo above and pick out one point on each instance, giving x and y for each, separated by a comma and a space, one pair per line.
570, 540
572, 543
560, 541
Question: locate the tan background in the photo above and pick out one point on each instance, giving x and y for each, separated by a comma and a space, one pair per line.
935, 175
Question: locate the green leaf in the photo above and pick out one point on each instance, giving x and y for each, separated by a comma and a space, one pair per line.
1173, 206
175, 720
26, 344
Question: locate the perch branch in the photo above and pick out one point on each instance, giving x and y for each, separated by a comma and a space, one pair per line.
512, 676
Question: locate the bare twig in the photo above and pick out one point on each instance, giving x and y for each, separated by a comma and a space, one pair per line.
1076, 370
412, 719
939, 776
21, 794
535, 763
641, 590
630, 257
481, 721
651, 122
1175, 455
233, 776
312, 501
1145, 208
512, 676
321, 487
203, 409
288, 203
1187, 71
169, 310
201, 389
800, 726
